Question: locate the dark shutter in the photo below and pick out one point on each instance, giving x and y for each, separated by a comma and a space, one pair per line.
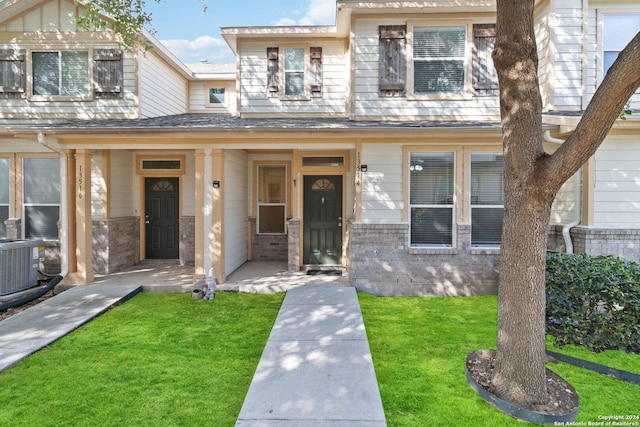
485, 79
316, 72
107, 73
12, 74
393, 60
273, 80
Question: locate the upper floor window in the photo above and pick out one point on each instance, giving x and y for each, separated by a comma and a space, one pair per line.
294, 73
442, 61
60, 73
431, 198
619, 29
439, 56
217, 97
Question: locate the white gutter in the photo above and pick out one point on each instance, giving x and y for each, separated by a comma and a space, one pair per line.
64, 205
566, 229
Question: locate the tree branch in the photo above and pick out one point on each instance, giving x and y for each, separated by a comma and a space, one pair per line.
620, 83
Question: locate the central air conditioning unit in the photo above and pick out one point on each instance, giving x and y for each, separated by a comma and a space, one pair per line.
19, 261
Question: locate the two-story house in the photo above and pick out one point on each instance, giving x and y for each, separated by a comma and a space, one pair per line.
372, 145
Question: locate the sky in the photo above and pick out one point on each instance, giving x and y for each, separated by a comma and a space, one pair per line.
193, 35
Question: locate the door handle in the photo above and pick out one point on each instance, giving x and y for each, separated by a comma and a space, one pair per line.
147, 222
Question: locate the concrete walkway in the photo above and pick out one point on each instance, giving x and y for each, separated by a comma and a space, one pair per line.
316, 369
30, 330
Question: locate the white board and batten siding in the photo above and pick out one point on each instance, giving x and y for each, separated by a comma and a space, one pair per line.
235, 187
163, 91
253, 78
369, 104
617, 183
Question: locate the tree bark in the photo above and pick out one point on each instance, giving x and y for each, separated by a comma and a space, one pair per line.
532, 179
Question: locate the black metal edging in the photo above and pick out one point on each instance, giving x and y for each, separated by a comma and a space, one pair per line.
596, 367
517, 411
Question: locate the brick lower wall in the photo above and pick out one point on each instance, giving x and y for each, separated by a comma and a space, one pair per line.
267, 247
293, 226
624, 243
116, 244
51, 263
380, 262
187, 240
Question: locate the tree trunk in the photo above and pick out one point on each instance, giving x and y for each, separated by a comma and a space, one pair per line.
519, 375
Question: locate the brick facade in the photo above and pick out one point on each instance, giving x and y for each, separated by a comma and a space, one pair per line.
624, 243
267, 247
293, 226
379, 261
187, 240
116, 244
51, 264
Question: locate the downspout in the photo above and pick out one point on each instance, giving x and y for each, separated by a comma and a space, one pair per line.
566, 229
64, 204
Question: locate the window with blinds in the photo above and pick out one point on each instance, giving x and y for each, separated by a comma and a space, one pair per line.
272, 197
487, 198
431, 198
439, 59
4, 195
41, 197
60, 73
294, 71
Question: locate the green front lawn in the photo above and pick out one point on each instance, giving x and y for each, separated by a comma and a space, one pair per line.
167, 360
419, 347
157, 360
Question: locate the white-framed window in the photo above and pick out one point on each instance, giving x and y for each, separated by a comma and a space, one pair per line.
618, 30
294, 73
487, 198
63, 73
216, 96
41, 197
431, 199
5, 176
272, 199
439, 54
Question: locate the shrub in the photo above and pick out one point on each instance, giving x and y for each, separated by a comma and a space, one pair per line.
593, 301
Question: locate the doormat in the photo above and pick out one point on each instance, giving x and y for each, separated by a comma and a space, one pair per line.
324, 273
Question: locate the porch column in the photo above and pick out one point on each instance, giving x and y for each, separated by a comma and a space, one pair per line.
217, 229
200, 190
81, 271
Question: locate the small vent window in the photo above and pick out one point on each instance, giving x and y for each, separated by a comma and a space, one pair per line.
161, 165
323, 161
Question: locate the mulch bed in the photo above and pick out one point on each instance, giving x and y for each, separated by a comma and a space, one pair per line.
15, 310
562, 399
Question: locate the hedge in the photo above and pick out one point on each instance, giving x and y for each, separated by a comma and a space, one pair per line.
593, 301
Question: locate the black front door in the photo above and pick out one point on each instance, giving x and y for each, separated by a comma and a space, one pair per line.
161, 218
322, 220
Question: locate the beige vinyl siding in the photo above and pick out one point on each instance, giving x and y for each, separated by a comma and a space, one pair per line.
545, 61
594, 61
235, 187
568, 47
99, 178
122, 177
163, 91
198, 93
381, 192
563, 208
253, 78
617, 183
368, 103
